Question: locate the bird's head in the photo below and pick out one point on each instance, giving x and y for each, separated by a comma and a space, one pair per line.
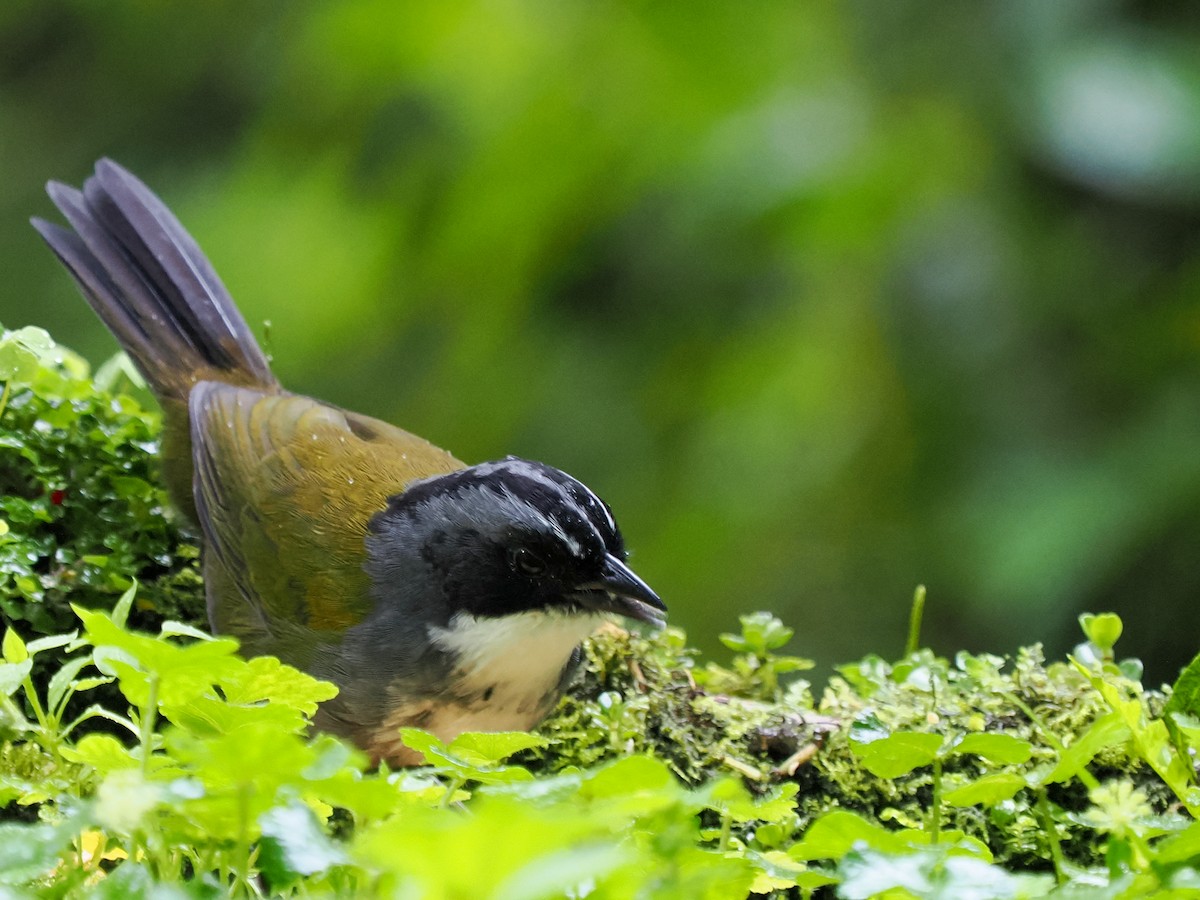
501, 538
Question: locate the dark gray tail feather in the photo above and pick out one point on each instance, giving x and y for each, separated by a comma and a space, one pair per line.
152, 286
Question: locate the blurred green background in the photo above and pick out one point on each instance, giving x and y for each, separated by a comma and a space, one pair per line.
826, 299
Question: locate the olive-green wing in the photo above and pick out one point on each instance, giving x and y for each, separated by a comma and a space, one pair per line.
285, 487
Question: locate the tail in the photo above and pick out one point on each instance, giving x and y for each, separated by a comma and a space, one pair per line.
152, 286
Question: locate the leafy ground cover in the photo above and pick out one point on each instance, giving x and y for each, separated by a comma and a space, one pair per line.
142, 757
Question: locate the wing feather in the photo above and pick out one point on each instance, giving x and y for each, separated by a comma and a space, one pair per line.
285, 487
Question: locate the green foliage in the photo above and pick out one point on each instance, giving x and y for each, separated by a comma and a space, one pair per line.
218, 777
197, 774
78, 468
217, 785
757, 665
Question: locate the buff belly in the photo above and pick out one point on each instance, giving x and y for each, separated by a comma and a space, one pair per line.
507, 676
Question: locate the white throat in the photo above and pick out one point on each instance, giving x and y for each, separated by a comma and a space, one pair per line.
516, 658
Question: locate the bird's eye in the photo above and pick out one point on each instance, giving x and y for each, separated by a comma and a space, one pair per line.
527, 561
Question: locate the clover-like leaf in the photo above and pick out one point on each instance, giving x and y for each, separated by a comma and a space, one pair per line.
489, 748
1103, 629
762, 632
835, 833
987, 790
23, 352
995, 747
898, 753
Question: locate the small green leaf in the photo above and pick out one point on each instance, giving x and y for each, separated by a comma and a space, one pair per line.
835, 833
762, 632
867, 729
86, 684
1185, 693
1179, 847
785, 664
421, 741
13, 675
1150, 740
729, 797
36, 340
265, 678
117, 367
899, 753
867, 675
986, 791
294, 845
182, 629
1187, 726
480, 748
17, 363
50, 642
95, 711
23, 352
29, 851
120, 612
102, 752
1107, 731
13, 647
628, 776
996, 748
778, 805
776, 871
62, 680
1103, 630
1131, 668
811, 879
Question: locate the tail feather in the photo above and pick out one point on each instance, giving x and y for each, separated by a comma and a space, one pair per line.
152, 286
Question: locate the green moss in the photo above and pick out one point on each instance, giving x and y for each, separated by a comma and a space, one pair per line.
640, 694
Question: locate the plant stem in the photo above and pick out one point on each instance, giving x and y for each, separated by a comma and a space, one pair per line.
1056, 854
4, 396
48, 735
935, 813
914, 621
242, 863
149, 720
726, 830
451, 790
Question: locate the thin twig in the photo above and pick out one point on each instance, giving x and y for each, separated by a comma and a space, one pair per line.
738, 766
801, 757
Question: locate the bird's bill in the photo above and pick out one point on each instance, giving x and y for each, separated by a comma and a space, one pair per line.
620, 591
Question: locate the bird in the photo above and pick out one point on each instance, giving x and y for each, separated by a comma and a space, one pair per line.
433, 594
